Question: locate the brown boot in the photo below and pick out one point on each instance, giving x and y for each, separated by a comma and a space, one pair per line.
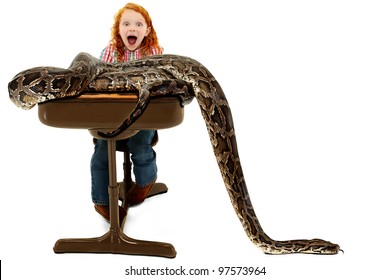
104, 211
137, 195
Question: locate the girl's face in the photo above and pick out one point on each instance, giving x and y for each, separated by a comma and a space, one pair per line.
132, 29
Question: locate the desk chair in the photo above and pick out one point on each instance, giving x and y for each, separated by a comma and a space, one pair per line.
105, 112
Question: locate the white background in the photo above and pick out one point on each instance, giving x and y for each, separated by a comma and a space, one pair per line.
308, 85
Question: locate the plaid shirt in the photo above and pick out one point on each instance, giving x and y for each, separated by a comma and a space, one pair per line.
110, 55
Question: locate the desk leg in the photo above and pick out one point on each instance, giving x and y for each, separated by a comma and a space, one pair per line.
114, 241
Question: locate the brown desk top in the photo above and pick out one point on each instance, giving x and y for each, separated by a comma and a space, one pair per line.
108, 110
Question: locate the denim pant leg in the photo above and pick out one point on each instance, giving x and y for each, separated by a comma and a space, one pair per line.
143, 157
144, 164
99, 173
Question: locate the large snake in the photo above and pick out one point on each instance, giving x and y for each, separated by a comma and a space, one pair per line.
155, 77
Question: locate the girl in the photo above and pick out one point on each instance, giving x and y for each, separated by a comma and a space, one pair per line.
132, 37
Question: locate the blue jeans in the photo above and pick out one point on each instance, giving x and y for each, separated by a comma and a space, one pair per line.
142, 155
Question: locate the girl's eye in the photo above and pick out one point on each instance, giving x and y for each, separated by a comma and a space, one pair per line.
139, 24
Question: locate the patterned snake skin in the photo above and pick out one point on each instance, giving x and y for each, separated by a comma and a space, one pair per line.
156, 77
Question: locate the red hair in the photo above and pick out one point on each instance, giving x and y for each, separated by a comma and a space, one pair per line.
149, 42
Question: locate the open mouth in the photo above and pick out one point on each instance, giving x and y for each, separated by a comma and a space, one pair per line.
132, 39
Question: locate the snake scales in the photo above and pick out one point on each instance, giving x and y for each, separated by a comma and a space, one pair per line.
155, 77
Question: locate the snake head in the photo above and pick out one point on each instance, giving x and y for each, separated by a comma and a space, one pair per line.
302, 246
322, 247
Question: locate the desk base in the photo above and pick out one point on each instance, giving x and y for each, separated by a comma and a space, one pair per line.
115, 243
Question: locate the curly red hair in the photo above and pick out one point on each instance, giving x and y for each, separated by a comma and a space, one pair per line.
149, 42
